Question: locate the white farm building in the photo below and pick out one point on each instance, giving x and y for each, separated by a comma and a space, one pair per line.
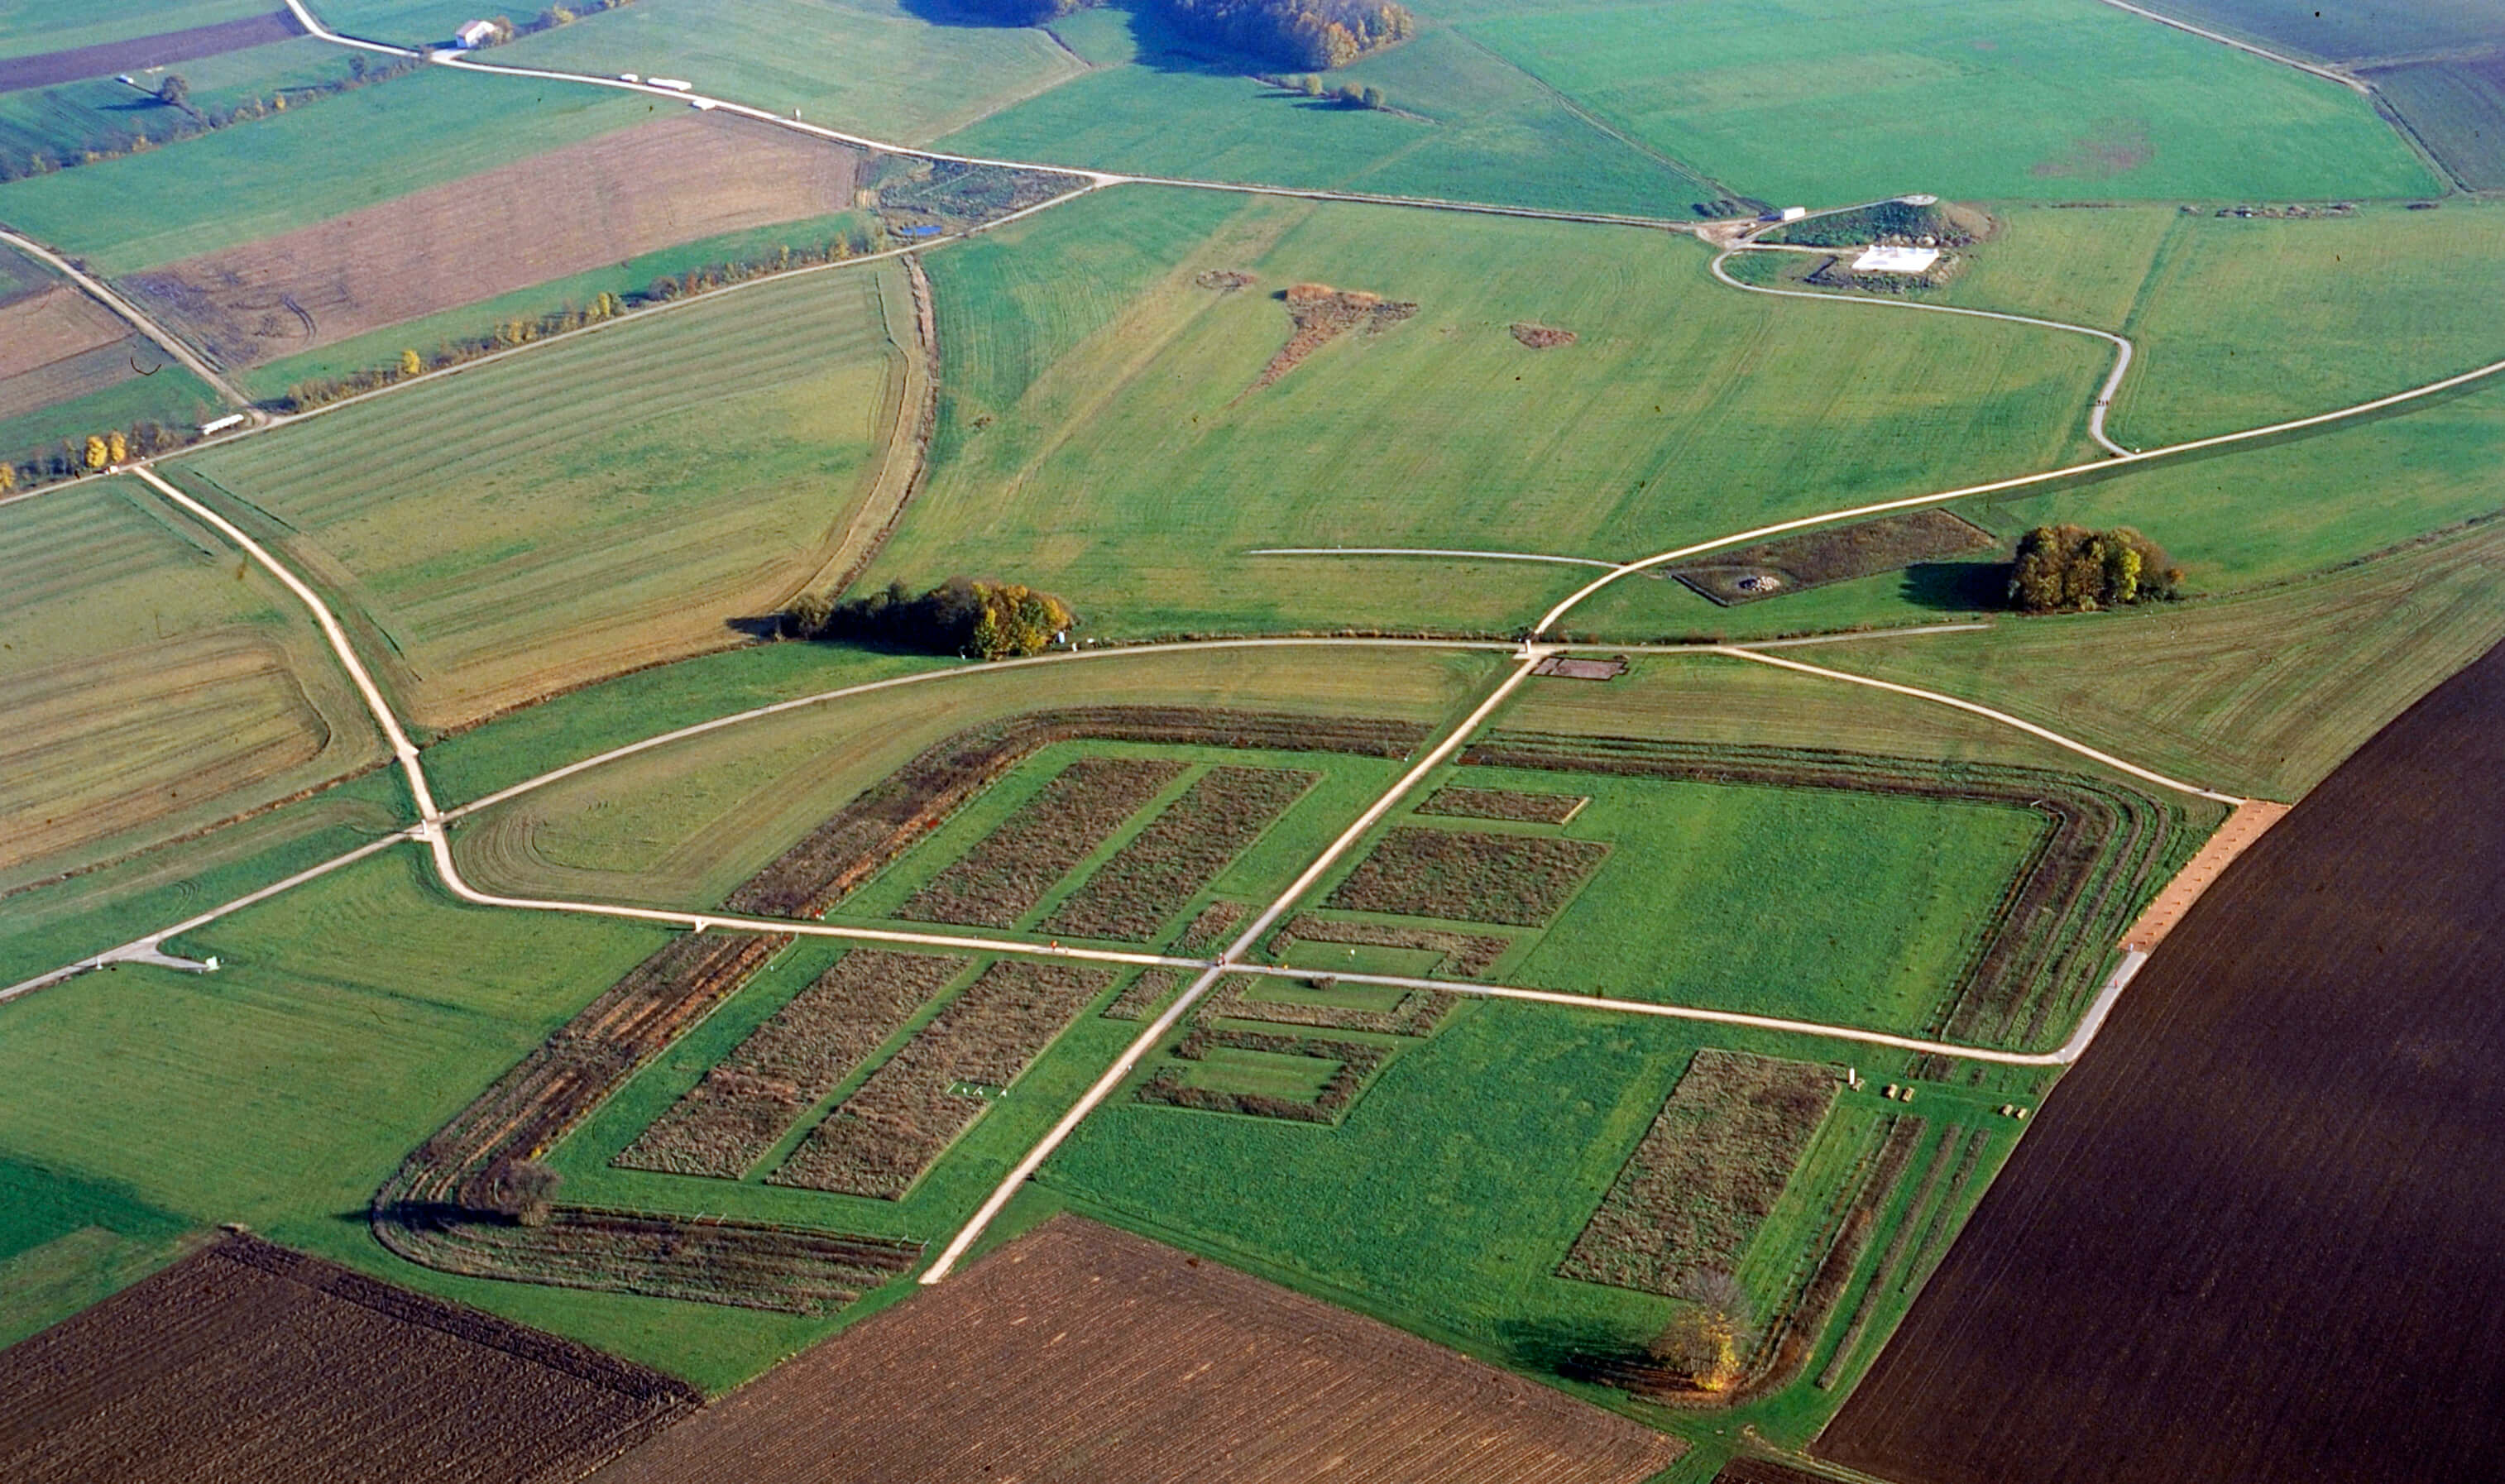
1895, 260
474, 34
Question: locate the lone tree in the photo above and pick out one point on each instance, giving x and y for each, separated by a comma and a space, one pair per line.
2071, 569
1707, 1342
174, 92
521, 1190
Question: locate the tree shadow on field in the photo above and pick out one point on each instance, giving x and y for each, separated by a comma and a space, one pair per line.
1159, 47
1576, 1350
1957, 587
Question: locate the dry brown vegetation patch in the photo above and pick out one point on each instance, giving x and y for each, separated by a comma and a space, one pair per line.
749, 1100
1511, 804
1143, 995
1542, 336
1322, 314
249, 1363
51, 326
1815, 559
1461, 875
1147, 882
1002, 878
1224, 281
581, 206
1466, 954
880, 1141
1076, 1351
1706, 1174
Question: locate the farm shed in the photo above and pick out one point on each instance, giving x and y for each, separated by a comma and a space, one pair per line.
474, 34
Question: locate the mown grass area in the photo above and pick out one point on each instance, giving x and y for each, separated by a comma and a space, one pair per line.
351, 1017
31, 26
1463, 125
1453, 1189
1758, 899
430, 333
872, 67
618, 499
307, 164
64, 121
152, 683
66, 1242
683, 824
2263, 691
1827, 103
1135, 473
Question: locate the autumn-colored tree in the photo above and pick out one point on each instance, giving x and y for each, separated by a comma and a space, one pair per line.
991, 621
117, 449
410, 363
1707, 1342
8, 478
2071, 569
99, 455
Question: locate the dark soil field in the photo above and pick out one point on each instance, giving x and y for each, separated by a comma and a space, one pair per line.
1078, 1354
1459, 876
251, 1364
582, 206
1815, 559
2256, 1232
1008, 871
47, 68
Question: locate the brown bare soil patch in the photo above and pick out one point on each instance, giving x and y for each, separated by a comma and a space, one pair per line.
1224, 281
57, 324
1466, 954
1815, 559
46, 68
2114, 149
1460, 875
1706, 1174
1511, 805
2050, 937
749, 1100
1148, 881
1542, 336
247, 1363
1008, 871
581, 206
1322, 314
2234, 837
1745, 1471
1079, 1353
898, 1123
2299, 1098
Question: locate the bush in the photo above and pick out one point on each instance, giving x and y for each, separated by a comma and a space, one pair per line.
2071, 569
993, 620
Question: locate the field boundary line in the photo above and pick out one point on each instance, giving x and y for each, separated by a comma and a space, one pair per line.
1577, 598
1489, 557
2097, 409
1158, 1029
1986, 712
130, 314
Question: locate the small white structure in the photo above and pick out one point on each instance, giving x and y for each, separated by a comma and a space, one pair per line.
220, 425
629, 76
1795, 213
1896, 260
473, 35
1919, 199
674, 84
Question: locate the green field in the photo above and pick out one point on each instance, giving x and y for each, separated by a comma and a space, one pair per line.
31, 26
66, 1242
621, 498
683, 824
152, 684
1825, 102
308, 165
1468, 126
1141, 465
68, 118
867, 66
1756, 899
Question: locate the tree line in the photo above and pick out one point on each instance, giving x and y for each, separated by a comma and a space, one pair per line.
962, 615
181, 120
2071, 569
1288, 33
92, 454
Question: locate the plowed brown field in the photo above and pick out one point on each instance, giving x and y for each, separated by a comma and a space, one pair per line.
667, 181
2255, 1233
251, 1364
1079, 1355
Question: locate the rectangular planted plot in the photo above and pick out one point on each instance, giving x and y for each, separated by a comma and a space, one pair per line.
1323, 1004
1461, 875
746, 1104
1468, 954
900, 1122
1506, 804
1706, 1175
1007, 872
1140, 998
1133, 895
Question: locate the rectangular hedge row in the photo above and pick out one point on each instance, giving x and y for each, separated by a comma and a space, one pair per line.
1511, 804
1464, 875
880, 1140
1148, 881
1417, 1014
1006, 872
1358, 1061
1467, 955
749, 1100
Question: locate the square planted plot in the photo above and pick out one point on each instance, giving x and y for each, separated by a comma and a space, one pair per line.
1182, 851
1008, 871
1461, 875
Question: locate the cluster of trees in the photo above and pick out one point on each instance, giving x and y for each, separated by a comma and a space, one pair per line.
181, 119
92, 454
1348, 94
2071, 569
991, 621
314, 391
1288, 33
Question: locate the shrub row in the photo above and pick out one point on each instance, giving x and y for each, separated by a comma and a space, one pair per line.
1506, 804
1143, 994
1417, 1014
1459, 876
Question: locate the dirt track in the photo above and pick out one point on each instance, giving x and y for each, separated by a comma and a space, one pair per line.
606, 199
